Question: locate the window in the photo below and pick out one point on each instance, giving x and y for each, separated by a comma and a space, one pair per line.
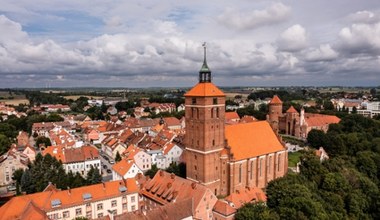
193, 101
217, 112
195, 167
216, 168
240, 170
215, 101
269, 165
133, 208
195, 157
133, 199
213, 142
125, 206
278, 162
260, 165
66, 214
78, 211
100, 206
212, 112
113, 203
251, 169
100, 215
88, 205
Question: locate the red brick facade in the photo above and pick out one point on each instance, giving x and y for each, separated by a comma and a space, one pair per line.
254, 156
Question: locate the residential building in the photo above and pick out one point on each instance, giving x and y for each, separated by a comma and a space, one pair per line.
94, 201
9, 163
76, 159
166, 188
126, 168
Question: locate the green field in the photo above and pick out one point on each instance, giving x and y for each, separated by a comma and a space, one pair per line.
294, 158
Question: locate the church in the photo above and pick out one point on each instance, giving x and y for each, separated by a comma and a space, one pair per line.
227, 158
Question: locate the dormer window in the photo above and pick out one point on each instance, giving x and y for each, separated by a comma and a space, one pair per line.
55, 203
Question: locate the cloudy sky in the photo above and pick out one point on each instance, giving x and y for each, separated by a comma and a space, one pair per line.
134, 43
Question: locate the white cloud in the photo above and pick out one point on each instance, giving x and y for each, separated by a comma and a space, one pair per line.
293, 39
364, 17
245, 20
323, 53
360, 39
11, 31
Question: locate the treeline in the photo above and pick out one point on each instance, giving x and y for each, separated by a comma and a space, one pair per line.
346, 186
47, 169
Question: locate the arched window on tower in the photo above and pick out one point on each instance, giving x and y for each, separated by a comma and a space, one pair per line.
192, 112
212, 112
197, 113
217, 112
240, 170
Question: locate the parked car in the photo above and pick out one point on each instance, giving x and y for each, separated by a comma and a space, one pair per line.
11, 188
105, 166
109, 171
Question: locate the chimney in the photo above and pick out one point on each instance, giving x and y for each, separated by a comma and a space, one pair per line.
69, 190
193, 185
161, 173
172, 175
169, 185
104, 185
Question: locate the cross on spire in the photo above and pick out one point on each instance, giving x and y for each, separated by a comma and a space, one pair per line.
205, 72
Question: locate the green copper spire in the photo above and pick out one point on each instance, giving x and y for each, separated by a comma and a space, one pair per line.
205, 72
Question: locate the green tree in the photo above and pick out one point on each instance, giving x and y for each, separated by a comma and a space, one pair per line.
255, 211
93, 176
316, 138
4, 144
117, 157
153, 170
42, 140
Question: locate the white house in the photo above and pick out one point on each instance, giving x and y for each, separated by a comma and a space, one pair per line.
125, 169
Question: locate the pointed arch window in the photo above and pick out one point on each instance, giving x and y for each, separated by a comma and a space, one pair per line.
240, 170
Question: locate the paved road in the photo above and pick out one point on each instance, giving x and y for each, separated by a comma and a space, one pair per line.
105, 166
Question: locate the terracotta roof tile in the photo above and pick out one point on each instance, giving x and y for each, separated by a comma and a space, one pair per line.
252, 139
20, 205
317, 120
222, 207
204, 89
231, 116
238, 199
291, 110
276, 100
123, 166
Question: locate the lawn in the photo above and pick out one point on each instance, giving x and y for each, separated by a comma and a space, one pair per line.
293, 158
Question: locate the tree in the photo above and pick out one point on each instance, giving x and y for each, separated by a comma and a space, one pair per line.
316, 138
255, 211
328, 105
4, 144
42, 140
153, 170
26, 182
93, 176
354, 110
117, 157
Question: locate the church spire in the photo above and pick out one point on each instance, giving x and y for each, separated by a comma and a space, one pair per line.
205, 72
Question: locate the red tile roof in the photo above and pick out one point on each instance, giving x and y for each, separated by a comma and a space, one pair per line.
238, 199
253, 139
204, 89
222, 207
18, 206
276, 100
123, 166
231, 116
291, 110
317, 120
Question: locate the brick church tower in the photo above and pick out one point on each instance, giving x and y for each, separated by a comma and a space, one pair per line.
205, 138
